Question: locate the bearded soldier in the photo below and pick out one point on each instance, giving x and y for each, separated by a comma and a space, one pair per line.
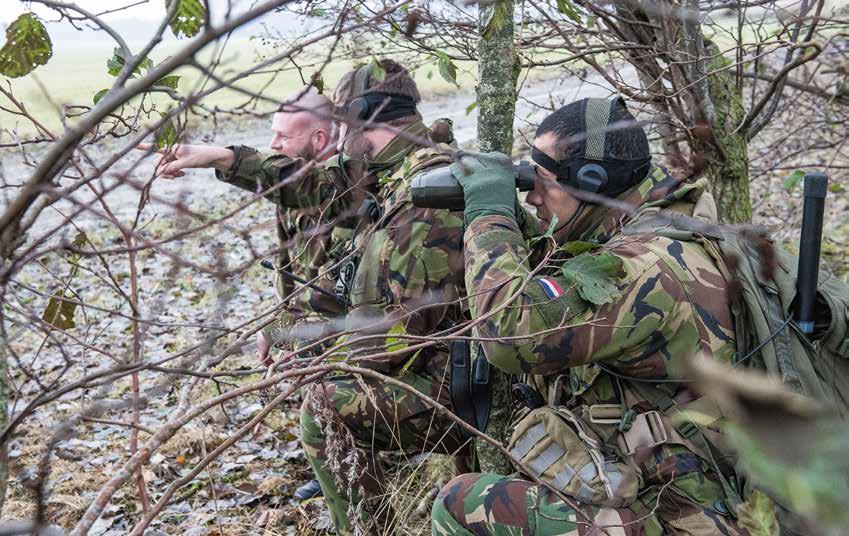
302, 131
597, 327
309, 208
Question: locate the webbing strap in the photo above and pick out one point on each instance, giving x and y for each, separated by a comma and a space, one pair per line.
694, 438
527, 442
546, 459
562, 479
646, 432
460, 355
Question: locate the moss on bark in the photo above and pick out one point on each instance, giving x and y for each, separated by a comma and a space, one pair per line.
727, 165
496, 92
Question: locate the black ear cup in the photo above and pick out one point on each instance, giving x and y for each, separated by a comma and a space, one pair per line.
592, 178
358, 108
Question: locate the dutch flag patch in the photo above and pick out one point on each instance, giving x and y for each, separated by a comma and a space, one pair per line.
550, 286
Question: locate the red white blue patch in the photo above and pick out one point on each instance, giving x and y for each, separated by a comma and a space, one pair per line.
550, 286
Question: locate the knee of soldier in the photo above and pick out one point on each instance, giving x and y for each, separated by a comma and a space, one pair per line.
448, 508
311, 432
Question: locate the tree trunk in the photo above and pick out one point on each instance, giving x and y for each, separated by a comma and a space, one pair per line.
727, 165
497, 75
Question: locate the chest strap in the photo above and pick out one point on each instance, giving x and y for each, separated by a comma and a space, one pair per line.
667, 424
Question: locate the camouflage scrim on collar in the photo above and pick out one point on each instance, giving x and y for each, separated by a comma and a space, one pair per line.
400, 145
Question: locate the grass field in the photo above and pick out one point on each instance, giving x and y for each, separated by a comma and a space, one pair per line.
76, 73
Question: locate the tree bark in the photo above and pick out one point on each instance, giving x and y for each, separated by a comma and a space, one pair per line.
497, 75
727, 164
496, 93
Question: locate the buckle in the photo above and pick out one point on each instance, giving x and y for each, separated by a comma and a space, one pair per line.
688, 429
647, 431
627, 420
606, 413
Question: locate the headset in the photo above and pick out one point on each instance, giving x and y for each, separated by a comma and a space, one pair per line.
364, 103
591, 171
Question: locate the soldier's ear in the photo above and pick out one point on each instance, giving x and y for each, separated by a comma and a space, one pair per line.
320, 139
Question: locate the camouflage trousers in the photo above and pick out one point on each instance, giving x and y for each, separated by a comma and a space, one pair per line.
488, 504
346, 421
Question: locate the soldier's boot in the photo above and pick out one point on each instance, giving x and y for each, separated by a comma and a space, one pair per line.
308, 491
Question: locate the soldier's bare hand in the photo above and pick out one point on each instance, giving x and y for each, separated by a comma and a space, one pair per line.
173, 160
263, 349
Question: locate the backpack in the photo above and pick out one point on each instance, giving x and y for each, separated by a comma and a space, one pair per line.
763, 279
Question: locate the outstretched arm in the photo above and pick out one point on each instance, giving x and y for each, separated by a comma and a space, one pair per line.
173, 160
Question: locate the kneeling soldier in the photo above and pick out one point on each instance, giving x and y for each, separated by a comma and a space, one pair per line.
597, 330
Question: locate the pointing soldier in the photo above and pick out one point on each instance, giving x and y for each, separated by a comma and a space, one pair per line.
596, 328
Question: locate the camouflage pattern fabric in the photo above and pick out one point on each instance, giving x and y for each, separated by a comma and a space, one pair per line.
670, 304
409, 281
379, 417
316, 214
486, 504
311, 223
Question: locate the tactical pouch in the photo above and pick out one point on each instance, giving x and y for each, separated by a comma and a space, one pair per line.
560, 449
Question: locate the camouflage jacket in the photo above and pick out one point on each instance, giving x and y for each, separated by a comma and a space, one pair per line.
668, 303
311, 218
317, 211
409, 275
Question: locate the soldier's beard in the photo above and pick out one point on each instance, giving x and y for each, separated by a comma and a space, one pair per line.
307, 153
359, 147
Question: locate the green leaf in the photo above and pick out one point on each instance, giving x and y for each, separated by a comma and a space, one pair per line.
447, 68
578, 247
376, 71
166, 135
171, 81
552, 225
793, 180
471, 107
99, 95
317, 12
757, 515
27, 46
595, 276
117, 62
566, 7
394, 344
836, 188
60, 313
188, 17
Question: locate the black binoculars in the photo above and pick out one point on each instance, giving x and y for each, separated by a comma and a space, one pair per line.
440, 189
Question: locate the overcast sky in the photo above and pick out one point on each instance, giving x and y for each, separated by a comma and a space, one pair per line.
151, 10
134, 23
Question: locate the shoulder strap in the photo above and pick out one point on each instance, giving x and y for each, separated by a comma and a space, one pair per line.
428, 157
